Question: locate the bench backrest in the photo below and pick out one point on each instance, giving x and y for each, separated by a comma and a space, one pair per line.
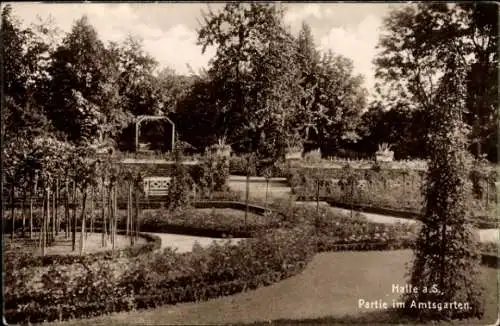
156, 186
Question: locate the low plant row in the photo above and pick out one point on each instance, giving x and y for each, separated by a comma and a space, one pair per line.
230, 224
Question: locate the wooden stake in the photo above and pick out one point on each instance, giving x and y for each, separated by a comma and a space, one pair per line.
82, 215
103, 214
12, 195
74, 223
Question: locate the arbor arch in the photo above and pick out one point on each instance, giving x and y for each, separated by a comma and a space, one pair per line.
143, 118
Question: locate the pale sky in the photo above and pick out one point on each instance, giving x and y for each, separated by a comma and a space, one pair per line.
169, 29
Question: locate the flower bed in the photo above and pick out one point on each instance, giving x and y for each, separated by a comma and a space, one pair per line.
194, 222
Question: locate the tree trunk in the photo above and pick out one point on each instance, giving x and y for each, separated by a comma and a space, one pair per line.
131, 199
82, 216
31, 215
42, 224
23, 212
487, 192
56, 207
54, 215
113, 209
75, 222
352, 198
129, 208
110, 215
247, 191
92, 213
267, 191
103, 215
12, 215
136, 233
46, 224
66, 210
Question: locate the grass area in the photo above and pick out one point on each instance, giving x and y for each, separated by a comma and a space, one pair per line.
62, 246
326, 292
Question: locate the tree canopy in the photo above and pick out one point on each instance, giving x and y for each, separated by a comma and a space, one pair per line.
415, 46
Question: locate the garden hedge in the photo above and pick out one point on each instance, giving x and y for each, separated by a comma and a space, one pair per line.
399, 190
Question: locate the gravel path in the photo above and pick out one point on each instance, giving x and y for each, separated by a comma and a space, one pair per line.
279, 189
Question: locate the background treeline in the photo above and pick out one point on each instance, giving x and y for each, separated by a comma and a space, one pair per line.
266, 91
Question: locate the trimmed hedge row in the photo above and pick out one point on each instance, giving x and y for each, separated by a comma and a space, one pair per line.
214, 224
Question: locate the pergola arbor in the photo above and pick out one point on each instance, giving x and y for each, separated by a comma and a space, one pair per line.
142, 118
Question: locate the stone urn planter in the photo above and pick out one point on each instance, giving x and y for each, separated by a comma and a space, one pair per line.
384, 154
221, 148
224, 151
294, 153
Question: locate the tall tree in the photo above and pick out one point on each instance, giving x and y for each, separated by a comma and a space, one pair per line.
136, 80
332, 96
77, 75
341, 100
308, 59
253, 64
199, 119
417, 41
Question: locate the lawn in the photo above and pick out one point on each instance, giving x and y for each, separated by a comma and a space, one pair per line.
327, 291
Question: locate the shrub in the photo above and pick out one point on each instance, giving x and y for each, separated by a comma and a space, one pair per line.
196, 222
391, 189
237, 165
181, 185
214, 174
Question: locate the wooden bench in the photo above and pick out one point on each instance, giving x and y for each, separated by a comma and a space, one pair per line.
156, 186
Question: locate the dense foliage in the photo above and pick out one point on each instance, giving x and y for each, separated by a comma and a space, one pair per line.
446, 251
416, 44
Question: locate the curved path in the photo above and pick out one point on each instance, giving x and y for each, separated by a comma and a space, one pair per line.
331, 285
279, 189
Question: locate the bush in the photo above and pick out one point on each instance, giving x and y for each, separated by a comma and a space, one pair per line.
214, 174
237, 165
